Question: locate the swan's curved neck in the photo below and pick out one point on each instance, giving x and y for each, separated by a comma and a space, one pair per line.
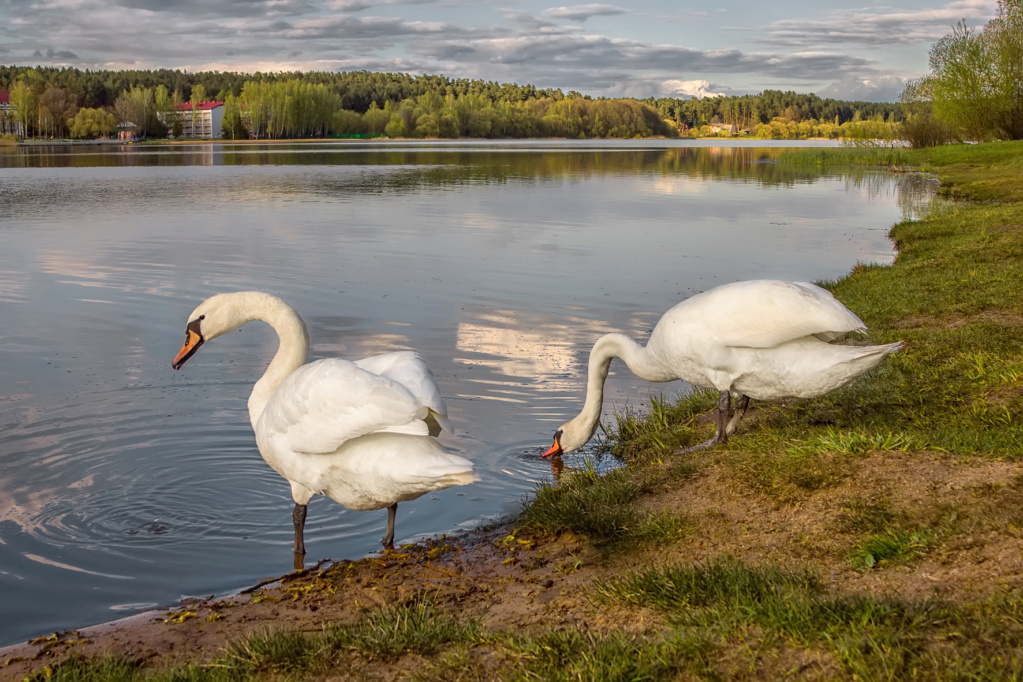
291, 353
639, 360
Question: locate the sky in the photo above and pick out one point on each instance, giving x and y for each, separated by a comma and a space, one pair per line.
640, 48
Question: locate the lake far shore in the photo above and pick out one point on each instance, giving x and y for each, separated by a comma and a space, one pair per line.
871, 534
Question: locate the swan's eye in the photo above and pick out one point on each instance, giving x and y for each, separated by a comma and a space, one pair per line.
202, 317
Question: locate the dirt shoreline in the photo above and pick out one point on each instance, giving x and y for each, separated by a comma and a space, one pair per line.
514, 582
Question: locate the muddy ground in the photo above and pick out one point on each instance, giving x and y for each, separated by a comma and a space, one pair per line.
510, 580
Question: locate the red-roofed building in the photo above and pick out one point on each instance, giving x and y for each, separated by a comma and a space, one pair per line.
8, 124
206, 123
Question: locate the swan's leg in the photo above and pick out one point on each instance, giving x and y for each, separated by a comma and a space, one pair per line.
388, 540
724, 407
298, 516
722, 432
740, 409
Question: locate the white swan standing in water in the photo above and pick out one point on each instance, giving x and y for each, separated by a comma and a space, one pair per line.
357, 432
762, 339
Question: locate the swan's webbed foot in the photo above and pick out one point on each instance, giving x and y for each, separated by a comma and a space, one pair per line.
702, 446
388, 540
298, 517
727, 423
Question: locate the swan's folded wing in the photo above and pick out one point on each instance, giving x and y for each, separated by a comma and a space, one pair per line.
409, 370
764, 314
326, 403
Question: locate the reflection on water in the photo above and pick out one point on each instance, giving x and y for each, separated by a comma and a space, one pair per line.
123, 483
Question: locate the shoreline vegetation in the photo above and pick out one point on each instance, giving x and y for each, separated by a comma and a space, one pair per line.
58, 103
872, 534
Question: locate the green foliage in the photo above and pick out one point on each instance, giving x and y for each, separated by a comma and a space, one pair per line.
138, 106
318, 104
232, 126
749, 111
976, 79
92, 123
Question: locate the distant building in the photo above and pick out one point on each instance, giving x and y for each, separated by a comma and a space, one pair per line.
9, 124
127, 131
728, 128
204, 124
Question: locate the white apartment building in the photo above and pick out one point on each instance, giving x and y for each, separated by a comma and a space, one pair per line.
204, 124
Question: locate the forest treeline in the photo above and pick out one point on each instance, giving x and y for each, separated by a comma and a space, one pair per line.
55, 102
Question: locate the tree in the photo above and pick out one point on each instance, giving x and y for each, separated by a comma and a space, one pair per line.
197, 98
90, 123
23, 101
232, 126
1006, 32
976, 79
56, 106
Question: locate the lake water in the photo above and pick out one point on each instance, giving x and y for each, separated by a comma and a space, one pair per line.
125, 485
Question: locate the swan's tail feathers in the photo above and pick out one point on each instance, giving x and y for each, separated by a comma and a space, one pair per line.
868, 357
887, 350
462, 478
454, 470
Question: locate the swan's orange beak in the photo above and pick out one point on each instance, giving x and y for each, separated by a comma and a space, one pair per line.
193, 339
556, 448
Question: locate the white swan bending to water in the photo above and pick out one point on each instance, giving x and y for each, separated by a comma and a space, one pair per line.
357, 432
762, 339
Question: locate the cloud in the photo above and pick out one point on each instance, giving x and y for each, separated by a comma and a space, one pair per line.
871, 89
52, 54
582, 12
482, 40
688, 89
222, 8
863, 28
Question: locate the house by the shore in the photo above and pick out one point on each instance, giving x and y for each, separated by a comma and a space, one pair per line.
205, 123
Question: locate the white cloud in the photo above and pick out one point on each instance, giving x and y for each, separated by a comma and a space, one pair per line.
582, 12
865, 28
872, 89
687, 89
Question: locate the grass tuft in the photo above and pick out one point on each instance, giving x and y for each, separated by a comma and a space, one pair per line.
414, 626
275, 652
600, 507
725, 581
891, 547
80, 669
573, 654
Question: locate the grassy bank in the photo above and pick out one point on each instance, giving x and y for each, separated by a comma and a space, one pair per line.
874, 534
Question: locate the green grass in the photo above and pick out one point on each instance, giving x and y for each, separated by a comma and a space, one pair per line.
868, 637
599, 507
574, 654
79, 669
657, 435
412, 627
